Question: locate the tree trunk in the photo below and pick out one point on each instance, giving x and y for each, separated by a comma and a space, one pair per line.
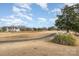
67, 30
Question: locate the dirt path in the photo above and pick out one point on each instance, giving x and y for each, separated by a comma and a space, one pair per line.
45, 38
37, 45
15, 37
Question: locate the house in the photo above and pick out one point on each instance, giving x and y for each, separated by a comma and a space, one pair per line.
12, 29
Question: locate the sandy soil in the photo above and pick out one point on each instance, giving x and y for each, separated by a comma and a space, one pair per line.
36, 48
33, 47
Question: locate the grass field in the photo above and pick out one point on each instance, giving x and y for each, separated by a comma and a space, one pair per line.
33, 44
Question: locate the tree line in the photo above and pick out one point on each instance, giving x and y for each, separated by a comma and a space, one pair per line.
24, 28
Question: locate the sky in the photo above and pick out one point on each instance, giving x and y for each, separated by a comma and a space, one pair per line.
36, 15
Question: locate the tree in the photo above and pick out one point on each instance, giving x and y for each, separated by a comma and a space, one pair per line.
76, 21
68, 20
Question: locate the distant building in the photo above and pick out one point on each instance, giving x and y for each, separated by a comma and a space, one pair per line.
12, 29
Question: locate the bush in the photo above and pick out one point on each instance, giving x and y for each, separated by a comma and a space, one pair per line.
65, 39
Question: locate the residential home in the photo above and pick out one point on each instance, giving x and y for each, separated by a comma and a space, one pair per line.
12, 29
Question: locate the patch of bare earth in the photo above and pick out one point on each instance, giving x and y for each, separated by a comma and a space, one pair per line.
34, 47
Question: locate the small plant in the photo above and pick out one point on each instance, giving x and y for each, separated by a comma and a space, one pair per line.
65, 39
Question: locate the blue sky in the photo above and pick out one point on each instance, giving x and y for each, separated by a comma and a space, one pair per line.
29, 14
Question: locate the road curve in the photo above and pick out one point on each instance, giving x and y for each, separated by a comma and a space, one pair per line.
44, 37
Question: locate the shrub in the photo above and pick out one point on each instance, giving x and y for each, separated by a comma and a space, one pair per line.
65, 39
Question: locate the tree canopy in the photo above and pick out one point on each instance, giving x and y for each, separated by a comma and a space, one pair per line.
69, 19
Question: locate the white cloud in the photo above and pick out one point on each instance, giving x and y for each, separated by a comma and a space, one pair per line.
70, 4
53, 20
17, 10
17, 22
27, 17
42, 19
43, 6
30, 14
22, 11
56, 10
11, 16
21, 15
11, 21
24, 5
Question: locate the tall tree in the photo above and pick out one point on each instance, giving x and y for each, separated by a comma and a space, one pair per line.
67, 19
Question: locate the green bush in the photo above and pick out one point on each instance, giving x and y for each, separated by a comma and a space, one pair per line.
65, 39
